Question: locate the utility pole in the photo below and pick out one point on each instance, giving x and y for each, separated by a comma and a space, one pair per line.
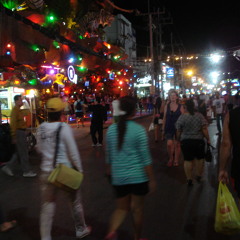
159, 57
150, 31
173, 61
151, 47
153, 64
161, 22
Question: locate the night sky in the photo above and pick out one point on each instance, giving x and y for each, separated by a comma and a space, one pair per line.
199, 26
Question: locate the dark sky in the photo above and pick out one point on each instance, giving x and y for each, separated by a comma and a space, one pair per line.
199, 26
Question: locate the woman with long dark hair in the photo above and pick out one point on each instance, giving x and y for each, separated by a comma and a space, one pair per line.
130, 167
191, 131
172, 110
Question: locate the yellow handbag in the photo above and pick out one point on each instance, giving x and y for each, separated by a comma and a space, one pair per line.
62, 176
66, 178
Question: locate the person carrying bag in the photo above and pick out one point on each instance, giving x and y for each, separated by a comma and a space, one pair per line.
68, 179
55, 142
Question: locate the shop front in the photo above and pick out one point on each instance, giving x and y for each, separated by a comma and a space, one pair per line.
29, 103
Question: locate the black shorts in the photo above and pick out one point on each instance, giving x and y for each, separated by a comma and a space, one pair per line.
79, 114
139, 189
193, 149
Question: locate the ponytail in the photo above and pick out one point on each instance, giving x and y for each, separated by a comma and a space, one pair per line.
121, 130
127, 106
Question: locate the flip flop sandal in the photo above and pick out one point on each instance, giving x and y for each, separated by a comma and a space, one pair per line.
6, 226
175, 164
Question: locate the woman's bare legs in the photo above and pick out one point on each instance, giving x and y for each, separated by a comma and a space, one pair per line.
199, 168
137, 213
177, 152
188, 168
170, 149
119, 214
156, 132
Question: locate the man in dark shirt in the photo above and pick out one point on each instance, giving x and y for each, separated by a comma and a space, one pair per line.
230, 149
99, 116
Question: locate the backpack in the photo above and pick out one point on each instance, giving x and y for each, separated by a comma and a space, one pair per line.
79, 105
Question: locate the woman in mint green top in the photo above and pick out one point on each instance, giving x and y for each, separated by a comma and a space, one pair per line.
130, 167
127, 164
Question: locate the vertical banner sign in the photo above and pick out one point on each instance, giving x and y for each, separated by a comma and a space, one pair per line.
170, 72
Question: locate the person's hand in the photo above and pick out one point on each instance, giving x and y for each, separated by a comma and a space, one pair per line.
223, 176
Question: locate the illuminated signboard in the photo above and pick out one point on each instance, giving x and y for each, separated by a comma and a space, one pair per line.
170, 72
72, 76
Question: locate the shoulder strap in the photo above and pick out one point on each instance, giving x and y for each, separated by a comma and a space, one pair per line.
57, 144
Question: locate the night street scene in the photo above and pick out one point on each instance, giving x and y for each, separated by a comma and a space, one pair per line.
119, 120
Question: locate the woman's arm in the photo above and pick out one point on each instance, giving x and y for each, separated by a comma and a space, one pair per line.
152, 182
144, 152
205, 133
164, 117
225, 151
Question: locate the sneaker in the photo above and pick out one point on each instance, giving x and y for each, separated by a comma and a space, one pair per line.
94, 145
7, 171
29, 174
83, 233
99, 144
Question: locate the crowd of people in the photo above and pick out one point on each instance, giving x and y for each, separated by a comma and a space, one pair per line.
182, 122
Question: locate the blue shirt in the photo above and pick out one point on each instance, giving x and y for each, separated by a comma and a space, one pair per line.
127, 164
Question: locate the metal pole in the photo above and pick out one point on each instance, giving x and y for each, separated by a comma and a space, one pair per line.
151, 45
151, 36
160, 54
150, 31
174, 77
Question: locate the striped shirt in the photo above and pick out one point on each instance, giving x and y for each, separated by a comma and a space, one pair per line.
127, 164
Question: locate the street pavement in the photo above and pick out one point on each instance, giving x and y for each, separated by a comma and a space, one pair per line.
174, 212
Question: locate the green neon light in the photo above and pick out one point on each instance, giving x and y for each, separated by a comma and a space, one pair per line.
33, 82
51, 18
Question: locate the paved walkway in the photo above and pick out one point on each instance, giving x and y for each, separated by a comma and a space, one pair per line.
173, 212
